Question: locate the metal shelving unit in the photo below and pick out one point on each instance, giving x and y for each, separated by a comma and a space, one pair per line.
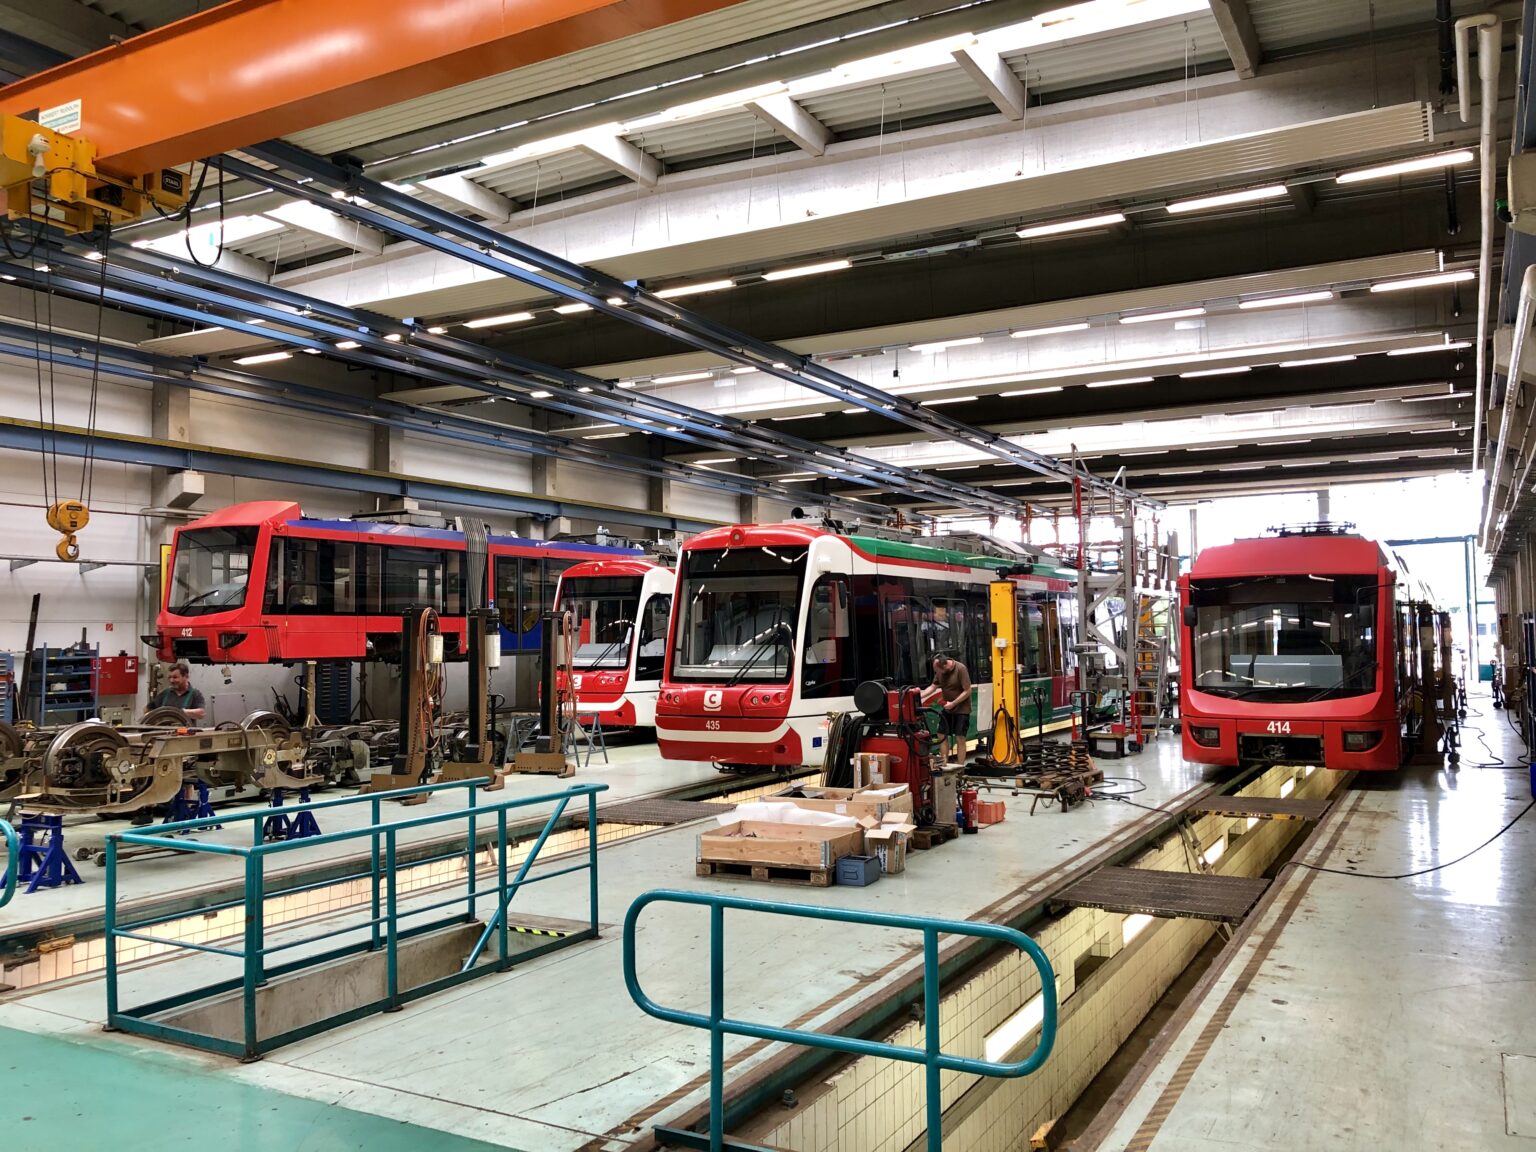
61, 685
7, 688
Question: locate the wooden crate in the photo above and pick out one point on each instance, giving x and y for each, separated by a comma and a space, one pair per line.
779, 845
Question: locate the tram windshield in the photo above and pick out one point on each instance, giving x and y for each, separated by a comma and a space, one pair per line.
738, 612
1285, 639
605, 609
212, 570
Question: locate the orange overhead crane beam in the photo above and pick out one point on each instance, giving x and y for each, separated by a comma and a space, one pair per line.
251, 70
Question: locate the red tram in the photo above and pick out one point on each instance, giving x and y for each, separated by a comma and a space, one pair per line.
258, 583
1309, 647
619, 611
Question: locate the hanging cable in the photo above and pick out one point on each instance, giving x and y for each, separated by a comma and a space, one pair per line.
88, 469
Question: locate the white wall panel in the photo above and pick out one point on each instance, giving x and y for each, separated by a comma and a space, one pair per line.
250, 427
120, 406
466, 464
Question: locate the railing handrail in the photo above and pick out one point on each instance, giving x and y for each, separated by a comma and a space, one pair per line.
12, 862
718, 1024
164, 837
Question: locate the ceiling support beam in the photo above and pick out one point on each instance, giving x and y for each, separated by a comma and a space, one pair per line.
1239, 35
792, 122
624, 158
239, 264
324, 223
995, 79
465, 193
462, 239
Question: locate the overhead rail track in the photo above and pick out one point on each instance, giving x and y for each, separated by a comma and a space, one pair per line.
463, 363
66, 350
451, 235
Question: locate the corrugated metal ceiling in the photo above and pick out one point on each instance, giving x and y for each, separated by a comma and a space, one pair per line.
1284, 25
741, 22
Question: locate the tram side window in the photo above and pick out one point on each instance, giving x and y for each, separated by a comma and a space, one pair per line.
829, 651
653, 638
506, 592
413, 578
1032, 652
312, 577
909, 628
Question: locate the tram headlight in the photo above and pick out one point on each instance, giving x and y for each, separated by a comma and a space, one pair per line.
1361, 741
1205, 737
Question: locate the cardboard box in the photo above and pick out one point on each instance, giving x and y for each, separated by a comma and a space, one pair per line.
870, 769
779, 845
889, 842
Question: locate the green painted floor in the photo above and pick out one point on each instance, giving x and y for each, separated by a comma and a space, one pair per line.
104, 1096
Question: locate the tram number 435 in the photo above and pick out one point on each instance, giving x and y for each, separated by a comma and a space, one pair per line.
712, 725
1279, 727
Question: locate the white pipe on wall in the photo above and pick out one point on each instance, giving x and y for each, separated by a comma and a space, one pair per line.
1490, 46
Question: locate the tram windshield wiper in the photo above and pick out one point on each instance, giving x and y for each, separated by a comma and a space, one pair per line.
767, 640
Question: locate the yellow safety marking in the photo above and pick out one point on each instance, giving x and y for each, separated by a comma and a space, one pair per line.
537, 931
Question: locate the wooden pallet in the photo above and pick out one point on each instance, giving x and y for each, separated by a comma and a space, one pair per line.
932, 835
773, 873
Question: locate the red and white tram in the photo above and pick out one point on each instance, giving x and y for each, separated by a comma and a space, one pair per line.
620, 610
774, 627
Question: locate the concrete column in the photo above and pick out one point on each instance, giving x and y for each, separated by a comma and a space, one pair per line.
388, 450
750, 509
1322, 504
659, 495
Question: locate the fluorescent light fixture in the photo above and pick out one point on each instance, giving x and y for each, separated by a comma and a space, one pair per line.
1235, 370
802, 416
42, 268
1117, 383
347, 345
585, 388
1443, 347
1446, 395
808, 270
1030, 392
742, 371
1215, 852
942, 345
572, 309
494, 321
264, 358
1175, 314
1406, 167
1432, 281
1082, 224
1287, 301
1316, 361
438, 329
394, 337
1226, 199
606, 436
1051, 330
617, 301
718, 460
1015, 1030
946, 400
94, 255
695, 289
1135, 924
627, 384
1288, 787
683, 378
538, 395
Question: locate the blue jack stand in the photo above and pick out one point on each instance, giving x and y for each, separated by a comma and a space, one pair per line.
185, 807
44, 865
281, 826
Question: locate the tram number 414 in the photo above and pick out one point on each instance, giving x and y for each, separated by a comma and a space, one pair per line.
1279, 727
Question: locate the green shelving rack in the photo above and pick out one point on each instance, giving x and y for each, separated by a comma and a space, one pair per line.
61, 685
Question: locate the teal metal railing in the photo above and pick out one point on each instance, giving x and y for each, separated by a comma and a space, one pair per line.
12, 863
384, 908
930, 1056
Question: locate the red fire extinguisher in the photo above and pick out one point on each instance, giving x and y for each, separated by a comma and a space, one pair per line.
970, 807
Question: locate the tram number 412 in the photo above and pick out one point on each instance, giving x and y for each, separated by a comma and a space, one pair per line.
1279, 727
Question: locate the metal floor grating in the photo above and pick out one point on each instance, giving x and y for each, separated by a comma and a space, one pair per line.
1198, 895
658, 812
1280, 809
